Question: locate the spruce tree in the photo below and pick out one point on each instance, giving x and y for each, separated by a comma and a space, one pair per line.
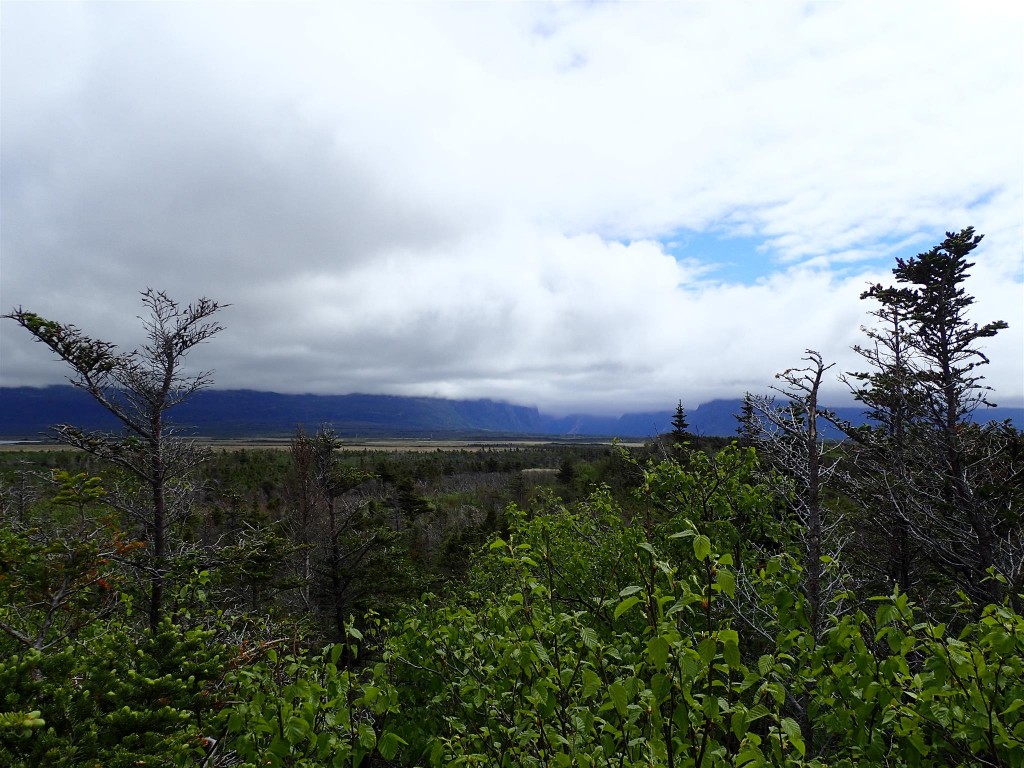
925, 465
749, 425
680, 436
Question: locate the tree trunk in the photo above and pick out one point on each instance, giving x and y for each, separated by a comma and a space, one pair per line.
337, 588
156, 598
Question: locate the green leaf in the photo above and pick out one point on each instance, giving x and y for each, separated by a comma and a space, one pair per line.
295, 730
589, 637
702, 547
1017, 704
793, 733
707, 649
389, 743
731, 653
918, 742
886, 614
617, 693
591, 683
336, 650
710, 707
750, 756
367, 736
658, 651
757, 712
661, 686
777, 692
729, 636
738, 723
726, 581
625, 605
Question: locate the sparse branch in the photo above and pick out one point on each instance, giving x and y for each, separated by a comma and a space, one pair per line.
790, 440
139, 388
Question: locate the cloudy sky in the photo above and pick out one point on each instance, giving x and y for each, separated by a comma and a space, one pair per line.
593, 206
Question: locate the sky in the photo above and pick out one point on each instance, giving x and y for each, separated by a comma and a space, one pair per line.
601, 207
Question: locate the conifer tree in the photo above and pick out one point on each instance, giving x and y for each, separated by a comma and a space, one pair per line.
139, 388
924, 465
749, 426
680, 436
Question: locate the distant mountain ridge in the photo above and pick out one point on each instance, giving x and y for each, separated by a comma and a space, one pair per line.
27, 412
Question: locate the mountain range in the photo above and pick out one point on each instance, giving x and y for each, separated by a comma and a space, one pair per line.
27, 413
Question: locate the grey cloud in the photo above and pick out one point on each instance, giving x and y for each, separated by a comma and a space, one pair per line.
425, 203
160, 166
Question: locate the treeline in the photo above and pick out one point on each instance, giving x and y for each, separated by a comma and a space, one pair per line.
779, 600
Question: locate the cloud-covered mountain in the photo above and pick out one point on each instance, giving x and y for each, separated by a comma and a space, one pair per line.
27, 412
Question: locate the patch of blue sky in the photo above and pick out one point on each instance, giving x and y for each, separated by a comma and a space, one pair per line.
746, 259
729, 259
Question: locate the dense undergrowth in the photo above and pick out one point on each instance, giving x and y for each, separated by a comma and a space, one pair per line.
613, 611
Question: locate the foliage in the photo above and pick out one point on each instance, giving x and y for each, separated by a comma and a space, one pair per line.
116, 697
651, 666
57, 576
582, 636
305, 711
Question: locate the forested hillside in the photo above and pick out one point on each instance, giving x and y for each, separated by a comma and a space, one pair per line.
776, 599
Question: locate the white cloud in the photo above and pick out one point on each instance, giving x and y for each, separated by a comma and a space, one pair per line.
465, 199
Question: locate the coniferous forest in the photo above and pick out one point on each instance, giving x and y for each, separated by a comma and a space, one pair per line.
777, 599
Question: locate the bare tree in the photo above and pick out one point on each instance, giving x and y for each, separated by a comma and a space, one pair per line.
790, 441
19, 493
787, 437
300, 522
139, 388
